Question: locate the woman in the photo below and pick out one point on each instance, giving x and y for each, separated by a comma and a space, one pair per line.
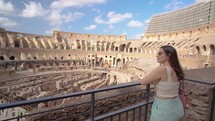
167, 105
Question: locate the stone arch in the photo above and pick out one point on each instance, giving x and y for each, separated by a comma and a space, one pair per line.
103, 46
112, 46
98, 46
212, 50
118, 62
130, 50
2, 58
127, 46
198, 50
78, 44
108, 46
12, 58
116, 49
17, 43
61, 46
122, 47
204, 48
83, 44
93, 48
135, 49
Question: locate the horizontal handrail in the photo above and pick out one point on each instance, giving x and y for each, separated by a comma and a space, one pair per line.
122, 110
51, 98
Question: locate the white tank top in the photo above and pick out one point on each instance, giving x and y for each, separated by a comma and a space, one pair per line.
167, 88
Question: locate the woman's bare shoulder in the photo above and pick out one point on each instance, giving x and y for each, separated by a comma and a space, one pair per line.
160, 69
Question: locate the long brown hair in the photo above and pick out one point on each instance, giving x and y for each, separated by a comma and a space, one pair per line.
173, 59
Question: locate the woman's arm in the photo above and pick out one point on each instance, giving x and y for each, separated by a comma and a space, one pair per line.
155, 75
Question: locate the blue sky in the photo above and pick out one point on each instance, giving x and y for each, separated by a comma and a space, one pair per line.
115, 17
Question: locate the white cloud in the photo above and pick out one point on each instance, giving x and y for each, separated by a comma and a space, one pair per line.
151, 2
113, 18
134, 23
6, 7
60, 4
91, 27
33, 9
56, 18
99, 20
174, 5
72, 16
96, 10
7, 22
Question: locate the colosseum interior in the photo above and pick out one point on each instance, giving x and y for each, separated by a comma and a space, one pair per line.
34, 66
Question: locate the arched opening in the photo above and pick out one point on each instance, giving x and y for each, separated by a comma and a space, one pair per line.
17, 44
135, 49
198, 49
204, 48
112, 46
118, 62
78, 44
35, 57
1, 57
93, 48
122, 48
130, 50
83, 45
116, 49
212, 51
12, 57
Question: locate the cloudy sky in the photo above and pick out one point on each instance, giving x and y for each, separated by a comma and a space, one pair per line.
128, 17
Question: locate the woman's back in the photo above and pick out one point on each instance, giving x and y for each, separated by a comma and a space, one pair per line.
169, 86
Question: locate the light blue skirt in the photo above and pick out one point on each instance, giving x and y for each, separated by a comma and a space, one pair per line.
167, 110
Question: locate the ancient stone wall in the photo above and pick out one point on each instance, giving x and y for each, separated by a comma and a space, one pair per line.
201, 101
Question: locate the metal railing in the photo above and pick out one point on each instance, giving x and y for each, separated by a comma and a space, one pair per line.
90, 105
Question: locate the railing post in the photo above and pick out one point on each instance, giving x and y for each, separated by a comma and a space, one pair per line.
147, 100
212, 105
92, 105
